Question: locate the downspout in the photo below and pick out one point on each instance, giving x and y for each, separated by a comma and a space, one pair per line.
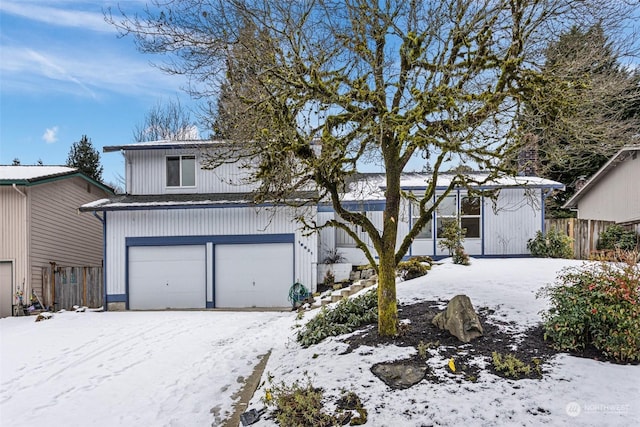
104, 258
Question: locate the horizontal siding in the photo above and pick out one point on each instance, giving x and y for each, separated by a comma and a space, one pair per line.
204, 222
616, 197
511, 220
146, 174
59, 233
14, 242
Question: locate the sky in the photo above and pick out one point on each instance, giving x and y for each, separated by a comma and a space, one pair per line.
65, 73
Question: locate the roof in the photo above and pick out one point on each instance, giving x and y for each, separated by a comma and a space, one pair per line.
181, 201
371, 186
619, 157
33, 175
163, 144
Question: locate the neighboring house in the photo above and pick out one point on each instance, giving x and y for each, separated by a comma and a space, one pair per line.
499, 220
184, 237
40, 223
612, 193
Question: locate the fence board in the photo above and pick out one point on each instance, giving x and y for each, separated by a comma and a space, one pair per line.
584, 233
81, 286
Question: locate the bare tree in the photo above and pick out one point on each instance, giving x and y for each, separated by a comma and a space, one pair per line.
168, 121
367, 81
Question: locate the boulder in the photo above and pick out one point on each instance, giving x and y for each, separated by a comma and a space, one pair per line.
400, 374
460, 319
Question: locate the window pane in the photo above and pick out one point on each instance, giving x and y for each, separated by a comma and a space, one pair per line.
173, 171
441, 224
447, 207
426, 232
470, 206
472, 225
188, 171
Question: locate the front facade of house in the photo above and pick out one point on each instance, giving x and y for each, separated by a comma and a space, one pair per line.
612, 193
184, 237
40, 223
497, 225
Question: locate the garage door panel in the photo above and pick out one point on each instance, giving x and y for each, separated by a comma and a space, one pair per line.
253, 275
167, 277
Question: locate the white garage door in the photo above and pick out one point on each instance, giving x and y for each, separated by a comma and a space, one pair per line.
253, 275
167, 277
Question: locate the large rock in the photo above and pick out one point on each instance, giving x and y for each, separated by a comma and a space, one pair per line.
460, 319
400, 374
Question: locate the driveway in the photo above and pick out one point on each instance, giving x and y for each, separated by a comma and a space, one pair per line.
131, 368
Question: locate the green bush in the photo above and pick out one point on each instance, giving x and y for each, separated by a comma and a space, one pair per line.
298, 406
412, 268
512, 367
348, 315
460, 256
550, 245
596, 304
617, 237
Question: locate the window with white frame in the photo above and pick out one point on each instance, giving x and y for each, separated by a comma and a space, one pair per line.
427, 230
446, 212
181, 171
470, 216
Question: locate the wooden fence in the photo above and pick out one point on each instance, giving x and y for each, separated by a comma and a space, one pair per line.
64, 287
583, 232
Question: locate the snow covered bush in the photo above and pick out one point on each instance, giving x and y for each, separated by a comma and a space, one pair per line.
551, 244
412, 268
596, 304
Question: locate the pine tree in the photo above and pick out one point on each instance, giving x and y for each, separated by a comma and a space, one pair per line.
86, 158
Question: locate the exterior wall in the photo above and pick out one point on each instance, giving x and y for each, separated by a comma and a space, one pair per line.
511, 220
146, 174
14, 238
204, 222
59, 233
616, 196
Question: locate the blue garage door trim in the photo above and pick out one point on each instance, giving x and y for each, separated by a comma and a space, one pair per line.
196, 240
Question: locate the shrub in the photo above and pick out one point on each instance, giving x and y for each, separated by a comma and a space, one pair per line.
451, 236
345, 317
599, 305
512, 367
412, 268
460, 256
550, 245
298, 406
617, 237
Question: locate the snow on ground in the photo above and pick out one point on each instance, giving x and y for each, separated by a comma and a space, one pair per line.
573, 392
132, 368
183, 368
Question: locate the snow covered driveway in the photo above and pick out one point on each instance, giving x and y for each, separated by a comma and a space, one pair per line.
131, 368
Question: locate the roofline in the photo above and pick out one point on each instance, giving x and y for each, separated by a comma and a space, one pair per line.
56, 177
162, 144
613, 162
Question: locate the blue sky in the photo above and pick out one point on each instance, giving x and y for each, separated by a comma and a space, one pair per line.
65, 73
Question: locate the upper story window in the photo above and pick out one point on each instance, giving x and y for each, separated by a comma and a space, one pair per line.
181, 171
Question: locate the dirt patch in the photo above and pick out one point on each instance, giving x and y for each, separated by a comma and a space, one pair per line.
499, 336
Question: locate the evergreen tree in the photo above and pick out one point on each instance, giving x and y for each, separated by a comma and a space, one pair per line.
583, 106
16, 162
86, 158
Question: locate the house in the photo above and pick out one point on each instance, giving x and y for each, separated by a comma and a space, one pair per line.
40, 223
499, 217
184, 237
612, 193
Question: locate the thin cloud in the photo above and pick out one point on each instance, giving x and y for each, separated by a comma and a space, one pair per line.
58, 16
50, 135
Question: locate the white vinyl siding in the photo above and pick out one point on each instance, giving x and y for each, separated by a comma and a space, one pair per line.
14, 225
146, 174
616, 197
511, 221
205, 222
